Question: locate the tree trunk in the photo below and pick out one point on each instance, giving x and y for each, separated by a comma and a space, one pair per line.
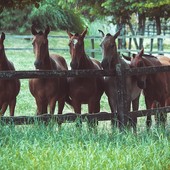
141, 28
133, 33
121, 42
160, 40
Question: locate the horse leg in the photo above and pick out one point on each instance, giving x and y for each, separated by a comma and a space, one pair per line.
148, 119
52, 105
3, 109
12, 105
135, 106
61, 103
160, 118
112, 104
41, 107
77, 109
93, 107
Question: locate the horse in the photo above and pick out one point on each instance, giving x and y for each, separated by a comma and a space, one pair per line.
109, 62
156, 87
84, 90
9, 89
47, 91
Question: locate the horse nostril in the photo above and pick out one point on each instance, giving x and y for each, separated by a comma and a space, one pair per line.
37, 64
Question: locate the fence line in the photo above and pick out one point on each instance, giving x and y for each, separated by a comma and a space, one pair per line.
128, 38
85, 73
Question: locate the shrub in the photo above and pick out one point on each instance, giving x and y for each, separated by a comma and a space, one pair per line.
49, 13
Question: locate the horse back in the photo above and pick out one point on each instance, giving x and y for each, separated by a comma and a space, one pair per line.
59, 61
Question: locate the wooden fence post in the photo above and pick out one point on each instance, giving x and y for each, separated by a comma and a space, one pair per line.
122, 96
151, 46
92, 46
130, 45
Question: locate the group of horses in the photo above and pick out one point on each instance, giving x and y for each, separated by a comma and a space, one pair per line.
85, 90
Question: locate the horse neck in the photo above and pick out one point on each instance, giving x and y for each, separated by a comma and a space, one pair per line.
85, 62
115, 60
4, 61
48, 61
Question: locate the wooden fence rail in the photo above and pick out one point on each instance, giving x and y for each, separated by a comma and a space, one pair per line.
81, 73
129, 48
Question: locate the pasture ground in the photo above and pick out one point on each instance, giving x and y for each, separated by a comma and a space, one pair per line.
45, 147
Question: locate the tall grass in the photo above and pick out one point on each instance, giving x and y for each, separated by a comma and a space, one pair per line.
44, 147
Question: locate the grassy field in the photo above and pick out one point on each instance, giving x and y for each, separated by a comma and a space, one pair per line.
45, 147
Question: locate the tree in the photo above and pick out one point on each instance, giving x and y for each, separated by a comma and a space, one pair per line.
122, 10
17, 4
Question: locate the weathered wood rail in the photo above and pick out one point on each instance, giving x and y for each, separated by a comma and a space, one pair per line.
70, 117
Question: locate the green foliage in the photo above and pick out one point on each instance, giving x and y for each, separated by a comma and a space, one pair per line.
15, 4
49, 13
15, 20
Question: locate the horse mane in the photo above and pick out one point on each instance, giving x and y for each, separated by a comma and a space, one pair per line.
76, 34
148, 55
108, 34
40, 33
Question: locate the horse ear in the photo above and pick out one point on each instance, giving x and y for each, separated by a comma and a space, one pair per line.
3, 36
141, 52
117, 33
33, 31
101, 33
84, 33
133, 55
126, 57
69, 34
47, 30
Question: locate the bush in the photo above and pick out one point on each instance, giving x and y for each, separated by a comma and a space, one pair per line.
49, 13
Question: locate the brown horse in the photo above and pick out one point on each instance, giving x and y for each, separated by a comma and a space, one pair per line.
9, 89
47, 91
83, 90
110, 60
156, 87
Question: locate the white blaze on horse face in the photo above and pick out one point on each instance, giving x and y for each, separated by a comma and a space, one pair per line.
75, 41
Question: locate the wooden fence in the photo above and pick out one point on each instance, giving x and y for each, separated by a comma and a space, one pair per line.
120, 73
152, 44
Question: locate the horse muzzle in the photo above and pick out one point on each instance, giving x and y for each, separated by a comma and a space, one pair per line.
38, 64
105, 64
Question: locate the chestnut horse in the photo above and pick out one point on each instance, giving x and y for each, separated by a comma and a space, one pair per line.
9, 89
47, 91
156, 87
83, 90
109, 62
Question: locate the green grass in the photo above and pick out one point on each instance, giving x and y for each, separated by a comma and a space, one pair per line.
43, 147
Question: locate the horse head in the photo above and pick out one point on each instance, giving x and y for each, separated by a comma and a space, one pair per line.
76, 45
136, 62
109, 50
40, 46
